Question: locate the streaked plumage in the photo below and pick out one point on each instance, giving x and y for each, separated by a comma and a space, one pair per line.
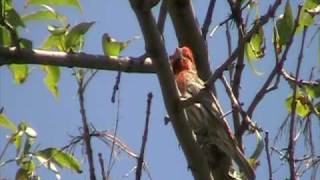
212, 132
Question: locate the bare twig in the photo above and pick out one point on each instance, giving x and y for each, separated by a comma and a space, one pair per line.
208, 19
111, 161
264, 89
116, 87
83, 60
266, 140
86, 131
144, 138
291, 145
293, 79
101, 161
257, 25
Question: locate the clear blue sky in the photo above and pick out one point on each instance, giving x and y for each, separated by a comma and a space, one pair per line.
56, 119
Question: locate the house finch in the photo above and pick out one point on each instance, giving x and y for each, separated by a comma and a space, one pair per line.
206, 120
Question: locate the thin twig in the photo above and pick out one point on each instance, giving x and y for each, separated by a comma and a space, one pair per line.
208, 19
110, 161
144, 138
266, 140
89, 79
257, 25
263, 90
86, 131
101, 161
291, 145
116, 87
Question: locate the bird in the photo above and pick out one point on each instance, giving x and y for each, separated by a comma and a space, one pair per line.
205, 118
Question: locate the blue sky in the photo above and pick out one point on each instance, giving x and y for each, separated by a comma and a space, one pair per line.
56, 119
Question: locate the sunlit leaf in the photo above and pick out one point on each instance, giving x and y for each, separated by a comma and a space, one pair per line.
74, 37
56, 30
258, 150
63, 159
45, 14
73, 3
49, 164
284, 25
52, 78
7, 123
19, 72
54, 42
31, 132
306, 19
302, 105
14, 18
112, 47
5, 38
313, 91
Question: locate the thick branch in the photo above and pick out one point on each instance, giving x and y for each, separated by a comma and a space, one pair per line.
155, 47
189, 33
35, 56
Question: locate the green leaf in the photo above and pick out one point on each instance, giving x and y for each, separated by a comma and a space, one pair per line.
285, 25
72, 3
74, 37
259, 147
302, 107
19, 72
112, 47
306, 19
14, 18
5, 37
45, 14
313, 91
7, 123
22, 174
61, 158
54, 42
52, 78
50, 165
56, 30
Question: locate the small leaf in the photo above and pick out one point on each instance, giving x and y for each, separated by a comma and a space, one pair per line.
112, 47
306, 19
5, 37
284, 25
14, 18
74, 37
31, 132
72, 3
52, 78
22, 174
7, 123
54, 42
19, 72
61, 158
49, 165
302, 105
313, 91
259, 147
45, 14
56, 30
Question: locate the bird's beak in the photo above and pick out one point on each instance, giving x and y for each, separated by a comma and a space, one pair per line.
177, 55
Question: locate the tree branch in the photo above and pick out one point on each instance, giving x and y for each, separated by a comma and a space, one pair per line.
155, 47
189, 33
292, 130
35, 56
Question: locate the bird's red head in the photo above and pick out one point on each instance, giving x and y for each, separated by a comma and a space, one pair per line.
182, 60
